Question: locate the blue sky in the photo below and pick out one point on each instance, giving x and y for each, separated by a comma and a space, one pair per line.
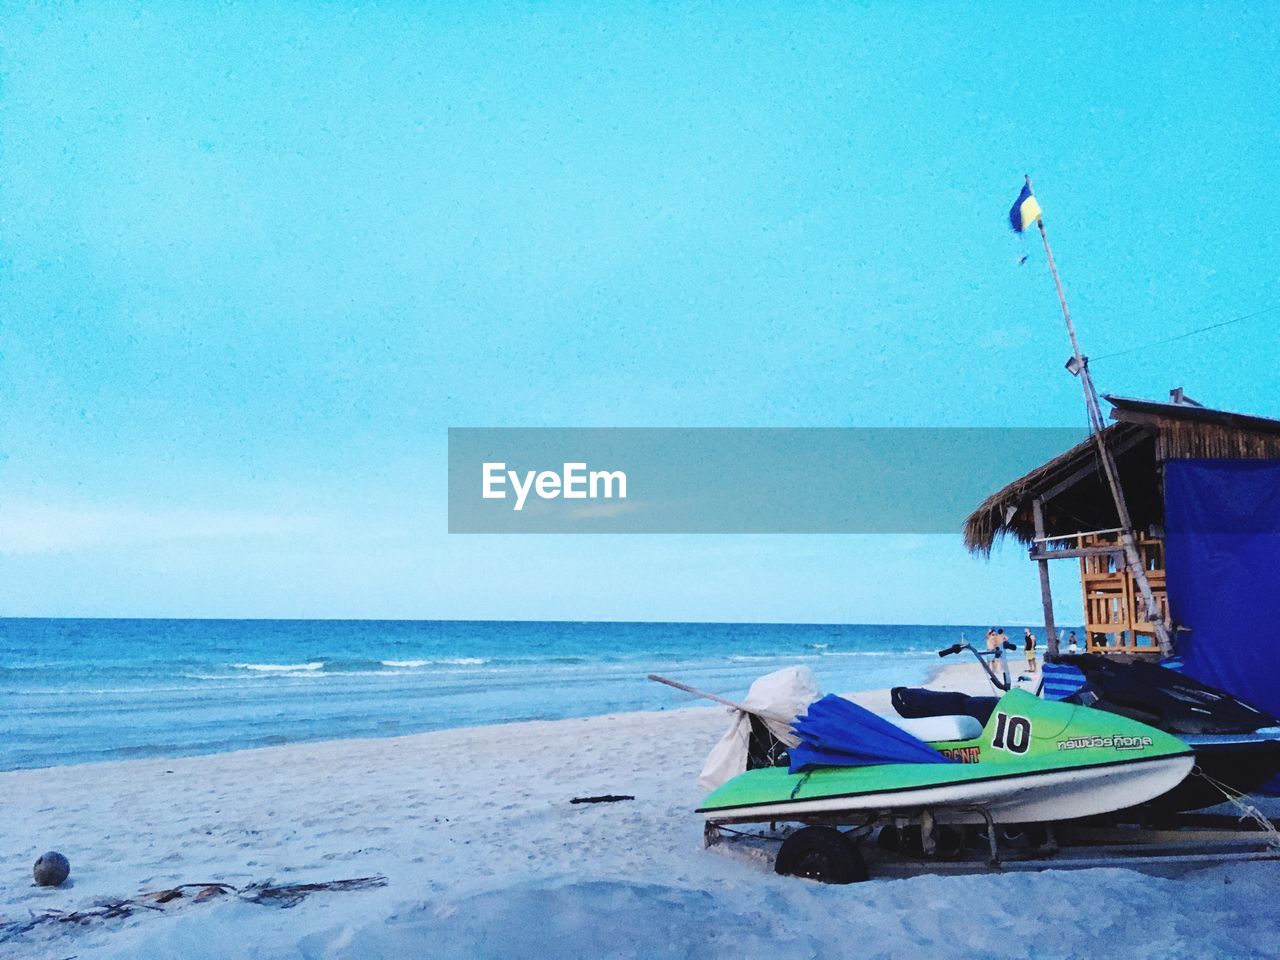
255, 259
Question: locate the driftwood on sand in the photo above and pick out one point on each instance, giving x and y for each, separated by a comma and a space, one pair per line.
266, 892
291, 894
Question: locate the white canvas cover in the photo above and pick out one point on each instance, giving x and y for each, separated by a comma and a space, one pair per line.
787, 693
937, 729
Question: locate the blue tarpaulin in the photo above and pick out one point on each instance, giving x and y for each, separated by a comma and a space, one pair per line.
838, 733
1060, 680
1222, 545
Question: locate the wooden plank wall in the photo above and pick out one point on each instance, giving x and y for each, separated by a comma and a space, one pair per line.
1180, 440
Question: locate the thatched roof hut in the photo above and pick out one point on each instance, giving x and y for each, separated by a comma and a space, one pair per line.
1073, 491
1065, 509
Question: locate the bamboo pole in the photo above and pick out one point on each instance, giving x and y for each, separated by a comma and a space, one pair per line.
1046, 595
763, 714
1132, 559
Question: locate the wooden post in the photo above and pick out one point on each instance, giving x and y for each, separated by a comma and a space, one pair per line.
1133, 562
1046, 595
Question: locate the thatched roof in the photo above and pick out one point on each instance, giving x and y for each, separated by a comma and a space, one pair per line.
1073, 489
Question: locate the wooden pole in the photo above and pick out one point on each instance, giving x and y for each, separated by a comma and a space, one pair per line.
1127, 541
1090, 399
763, 714
1046, 596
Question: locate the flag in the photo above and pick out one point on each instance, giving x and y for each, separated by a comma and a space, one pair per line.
1025, 210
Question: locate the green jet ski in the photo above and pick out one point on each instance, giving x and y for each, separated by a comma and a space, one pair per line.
1034, 761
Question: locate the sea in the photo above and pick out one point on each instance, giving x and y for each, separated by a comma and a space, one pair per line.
77, 691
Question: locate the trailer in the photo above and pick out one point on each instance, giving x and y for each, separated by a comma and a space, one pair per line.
928, 841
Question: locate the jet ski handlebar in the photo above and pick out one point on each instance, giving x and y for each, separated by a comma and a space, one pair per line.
982, 660
960, 647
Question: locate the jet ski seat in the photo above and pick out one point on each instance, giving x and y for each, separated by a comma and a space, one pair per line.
917, 702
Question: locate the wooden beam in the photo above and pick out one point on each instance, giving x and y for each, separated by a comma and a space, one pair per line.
1078, 533
1039, 553
1046, 595
1071, 479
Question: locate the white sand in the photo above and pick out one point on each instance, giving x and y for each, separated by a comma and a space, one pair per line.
486, 857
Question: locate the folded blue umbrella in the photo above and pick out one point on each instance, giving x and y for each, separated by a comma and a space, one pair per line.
838, 733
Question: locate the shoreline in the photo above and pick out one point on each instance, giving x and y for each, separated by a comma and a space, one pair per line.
284, 748
944, 676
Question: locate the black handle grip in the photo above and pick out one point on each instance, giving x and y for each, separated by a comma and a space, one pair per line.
954, 648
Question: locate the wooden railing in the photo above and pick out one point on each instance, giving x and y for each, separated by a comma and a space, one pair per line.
1115, 615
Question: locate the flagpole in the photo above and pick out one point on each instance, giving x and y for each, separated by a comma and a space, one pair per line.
1132, 559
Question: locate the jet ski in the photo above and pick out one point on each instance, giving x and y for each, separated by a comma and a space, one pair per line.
1162, 697
1235, 743
1032, 761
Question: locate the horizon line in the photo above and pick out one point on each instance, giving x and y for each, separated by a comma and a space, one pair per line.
749, 623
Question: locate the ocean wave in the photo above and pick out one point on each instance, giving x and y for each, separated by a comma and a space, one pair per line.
333, 667
255, 676
235, 677
356, 672
345, 665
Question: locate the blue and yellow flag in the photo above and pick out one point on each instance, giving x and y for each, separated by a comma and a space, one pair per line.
1025, 210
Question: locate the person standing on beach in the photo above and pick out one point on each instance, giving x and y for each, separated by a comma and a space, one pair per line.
1072, 646
1029, 642
993, 648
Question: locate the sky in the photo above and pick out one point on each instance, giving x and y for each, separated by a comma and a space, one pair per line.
257, 258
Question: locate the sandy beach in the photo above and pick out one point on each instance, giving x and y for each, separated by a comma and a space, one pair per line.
485, 856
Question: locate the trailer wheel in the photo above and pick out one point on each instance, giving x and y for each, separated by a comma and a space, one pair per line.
822, 854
